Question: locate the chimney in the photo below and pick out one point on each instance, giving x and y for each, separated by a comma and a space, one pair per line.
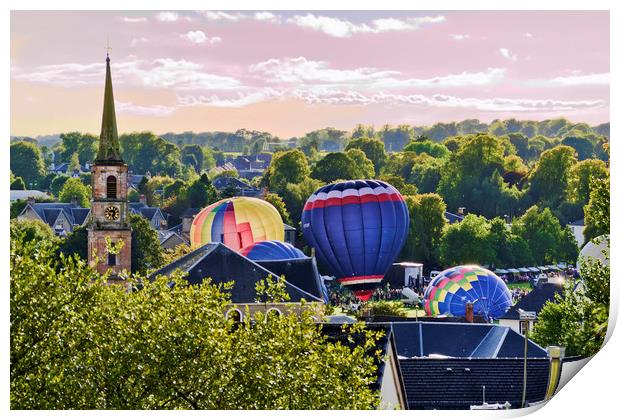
30, 200
74, 201
461, 211
469, 312
143, 199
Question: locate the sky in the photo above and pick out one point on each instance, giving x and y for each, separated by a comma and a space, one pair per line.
292, 72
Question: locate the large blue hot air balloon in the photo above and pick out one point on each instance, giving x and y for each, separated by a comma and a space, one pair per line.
357, 229
271, 251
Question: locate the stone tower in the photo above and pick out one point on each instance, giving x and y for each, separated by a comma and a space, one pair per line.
109, 209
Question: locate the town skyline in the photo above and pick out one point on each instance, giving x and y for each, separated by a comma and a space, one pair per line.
199, 71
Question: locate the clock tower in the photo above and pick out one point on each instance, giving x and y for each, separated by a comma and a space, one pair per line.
109, 224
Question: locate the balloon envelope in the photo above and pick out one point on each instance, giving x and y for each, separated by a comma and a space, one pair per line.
452, 289
271, 250
598, 249
357, 229
237, 222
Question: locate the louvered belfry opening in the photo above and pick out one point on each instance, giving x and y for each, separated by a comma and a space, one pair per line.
111, 187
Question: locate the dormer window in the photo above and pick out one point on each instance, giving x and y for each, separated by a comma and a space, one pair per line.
111, 187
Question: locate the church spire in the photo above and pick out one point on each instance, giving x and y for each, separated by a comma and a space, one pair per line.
109, 147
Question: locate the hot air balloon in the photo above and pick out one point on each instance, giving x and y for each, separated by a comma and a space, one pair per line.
271, 251
357, 229
237, 222
452, 289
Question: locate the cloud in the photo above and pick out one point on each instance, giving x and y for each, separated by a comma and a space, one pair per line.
507, 54
160, 73
308, 72
199, 37
148, 110
267, 17
139, 41
343, 28
167, 16
460, 37
340, 97
241, 100
218, 15
528, 35
581, 80
133, 20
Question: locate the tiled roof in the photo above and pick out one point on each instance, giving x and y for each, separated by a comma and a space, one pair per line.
458, 383
535, 300
222, 264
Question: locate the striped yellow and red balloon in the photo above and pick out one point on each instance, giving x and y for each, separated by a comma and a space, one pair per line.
237, 222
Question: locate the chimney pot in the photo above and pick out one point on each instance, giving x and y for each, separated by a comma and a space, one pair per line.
469, 312
143, 199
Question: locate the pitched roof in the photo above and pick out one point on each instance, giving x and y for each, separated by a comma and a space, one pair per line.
222, 264
458, 383
79, 215
535, 300
301, 272
579, 222
453, 218
49, 212
445, 339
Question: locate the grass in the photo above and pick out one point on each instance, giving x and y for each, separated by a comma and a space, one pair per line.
522, 285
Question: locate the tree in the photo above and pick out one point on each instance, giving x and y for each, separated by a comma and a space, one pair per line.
74, 164
547, 240
27, 163
395, 138
467, 242
549, 179
372, 148
79, 344
276, 201
295, 196
433, 149
76, 243
427, 221
84, 145
57, 183
193, 155
146, 252
578, 319
201, 192
73, 189
34, 231
399, 183
581, 176
596, 212
339, 165
582, 145
18, 184
364, 166
286, 167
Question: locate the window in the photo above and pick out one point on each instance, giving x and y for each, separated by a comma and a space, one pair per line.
111, 187
112, 257
273, 312
234, 314
523, 326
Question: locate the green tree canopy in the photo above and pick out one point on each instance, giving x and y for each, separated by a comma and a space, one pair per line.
549, 179
581, 176
146, 252
27, 163
596, 212
467, 242
18, 184
73, 189
427, 221
57, 183
276, 201
34, 231
372, 148
433, 149
334, 166
288, 166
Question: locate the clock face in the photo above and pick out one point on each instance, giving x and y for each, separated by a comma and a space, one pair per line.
112, 213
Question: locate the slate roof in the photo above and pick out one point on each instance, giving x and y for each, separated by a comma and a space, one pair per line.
445, 365
49, 212
144, 210
222, 264
301, 272
26, 194
444, 339
579, 222
190, 212
289, 227
453, 218
535, 300
457, 383
224, 181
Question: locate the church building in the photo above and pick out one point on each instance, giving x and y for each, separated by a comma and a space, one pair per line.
109, 231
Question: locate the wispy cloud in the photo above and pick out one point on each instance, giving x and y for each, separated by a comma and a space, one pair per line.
460, 37
309, 72
133, 19
343, 28
237, 101
581, 80
139, 41
507, 54
146, 110
199, 37
170, 17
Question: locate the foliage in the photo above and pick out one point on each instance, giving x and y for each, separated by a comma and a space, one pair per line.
170, 255
76, 243
276, 201
386, 308
27, 162
146, 252
433, 149
286, 167
74, 143
466, 242
580, 178
372, 148
271, 290
73, 189
193, 155
597, 216
427, 221
78, 344
352, 164
549, 179
295, 196
578, 320
34, 231
58, 183
145, 152
18, 184
399, 183
74, 164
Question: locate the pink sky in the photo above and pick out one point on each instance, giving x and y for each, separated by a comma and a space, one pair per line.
292, 72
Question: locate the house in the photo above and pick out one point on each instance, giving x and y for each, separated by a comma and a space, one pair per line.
453, 218
577, 227
532, 302
289, 234
171, 238
187, 217
244, 189
457, 366
221, 264
61, 217
26, 194
156, 217
63, 169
